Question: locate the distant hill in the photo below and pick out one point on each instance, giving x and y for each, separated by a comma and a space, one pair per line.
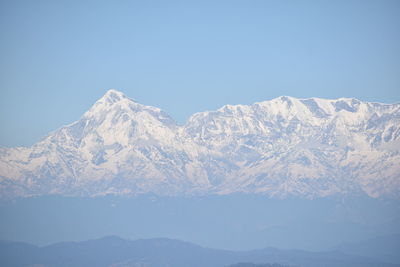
385, 248
234, 222
257, 265
113, 251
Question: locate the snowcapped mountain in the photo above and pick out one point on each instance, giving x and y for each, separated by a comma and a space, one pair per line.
286, 146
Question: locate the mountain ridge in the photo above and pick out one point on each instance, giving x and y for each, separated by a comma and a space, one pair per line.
285, 146
115, 251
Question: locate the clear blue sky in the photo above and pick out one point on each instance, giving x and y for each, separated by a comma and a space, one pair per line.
59, 57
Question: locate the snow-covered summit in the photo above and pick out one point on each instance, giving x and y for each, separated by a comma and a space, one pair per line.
309, 147
113, 96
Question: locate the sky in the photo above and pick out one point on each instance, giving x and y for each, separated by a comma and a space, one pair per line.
59, 57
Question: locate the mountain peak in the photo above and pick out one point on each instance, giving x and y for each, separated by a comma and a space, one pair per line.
113, 96
110, 99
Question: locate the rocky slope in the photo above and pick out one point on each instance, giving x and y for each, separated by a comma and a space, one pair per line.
282, 147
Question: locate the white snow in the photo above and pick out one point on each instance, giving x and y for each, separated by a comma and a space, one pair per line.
310, 147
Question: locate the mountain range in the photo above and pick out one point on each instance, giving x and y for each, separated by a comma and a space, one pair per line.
113, 251
283, 147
